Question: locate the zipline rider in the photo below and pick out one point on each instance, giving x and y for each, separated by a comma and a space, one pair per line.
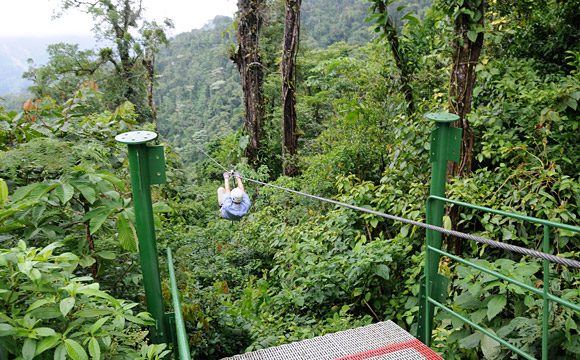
235, 204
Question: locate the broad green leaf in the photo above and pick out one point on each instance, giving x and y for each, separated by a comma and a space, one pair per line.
161, 207
28, 349
23, 192
507, 234
118, 183
490, 347
472, 35
12, 226
471, 341
87, 261
382, 271
119, 321
94, 313
405, 230
7, 330
136, 320
467, 301
32, 192
109, 255
97, 325
64, 192
66, 305
41, 190
571, 324
127, 233
37, 304
98, 220
94, 349
495, 305
60, 353
244, 141
99, 293
478, 315
447, 222
75, 350
572, 103
48, 249
88, 192
3, 191
45, 331
35, 274
506, 330
554, 116
47, 312
45, 344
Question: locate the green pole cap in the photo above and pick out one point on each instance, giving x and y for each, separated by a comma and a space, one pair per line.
442, 117
136, 137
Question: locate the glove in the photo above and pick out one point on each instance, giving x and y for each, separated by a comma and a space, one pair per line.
227, 175
237, 175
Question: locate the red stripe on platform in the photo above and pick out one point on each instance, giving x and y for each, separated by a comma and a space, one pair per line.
415, 344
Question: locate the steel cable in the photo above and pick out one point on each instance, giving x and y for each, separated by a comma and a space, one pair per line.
212, 159
482, 240
513, 248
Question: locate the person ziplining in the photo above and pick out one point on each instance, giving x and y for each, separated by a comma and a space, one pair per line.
233, 204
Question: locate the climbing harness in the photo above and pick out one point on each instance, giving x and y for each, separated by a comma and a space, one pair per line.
482, 240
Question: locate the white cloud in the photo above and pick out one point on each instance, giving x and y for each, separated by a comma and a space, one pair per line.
26, 18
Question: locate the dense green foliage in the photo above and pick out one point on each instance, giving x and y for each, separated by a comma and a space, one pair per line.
199, 93
295, 268
66, 224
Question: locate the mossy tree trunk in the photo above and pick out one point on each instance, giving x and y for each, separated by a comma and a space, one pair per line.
249, 63
467, 47
289, 119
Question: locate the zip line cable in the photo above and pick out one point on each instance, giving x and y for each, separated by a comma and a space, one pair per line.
206, 154
513, 248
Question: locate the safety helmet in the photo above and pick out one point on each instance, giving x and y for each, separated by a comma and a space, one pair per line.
237, 194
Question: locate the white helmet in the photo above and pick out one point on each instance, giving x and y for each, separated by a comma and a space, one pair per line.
237, 194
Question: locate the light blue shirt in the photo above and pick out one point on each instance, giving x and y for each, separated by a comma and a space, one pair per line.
233, 211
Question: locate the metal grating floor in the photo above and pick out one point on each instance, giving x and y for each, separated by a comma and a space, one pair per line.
381, 341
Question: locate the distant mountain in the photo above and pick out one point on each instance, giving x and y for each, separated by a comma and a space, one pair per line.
199, 94
15, 52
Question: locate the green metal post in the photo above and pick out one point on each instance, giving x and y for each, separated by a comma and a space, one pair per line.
182, 344
141, 185
445, 146
546, 293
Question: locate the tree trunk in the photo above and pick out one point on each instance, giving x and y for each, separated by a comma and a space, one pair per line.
249, 64
149, 64
399, 56
289, 52
461, 86
462, 82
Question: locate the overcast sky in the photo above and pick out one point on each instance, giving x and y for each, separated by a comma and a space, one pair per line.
25, 18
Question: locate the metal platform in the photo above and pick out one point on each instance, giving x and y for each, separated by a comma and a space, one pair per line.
381, 341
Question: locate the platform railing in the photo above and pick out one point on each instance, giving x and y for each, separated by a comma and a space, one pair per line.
179, 325
433, 254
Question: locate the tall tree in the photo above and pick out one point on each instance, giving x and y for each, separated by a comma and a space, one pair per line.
289, 52
386, 24
65, 72
153, 36
249, 63
468, 18
117, 21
